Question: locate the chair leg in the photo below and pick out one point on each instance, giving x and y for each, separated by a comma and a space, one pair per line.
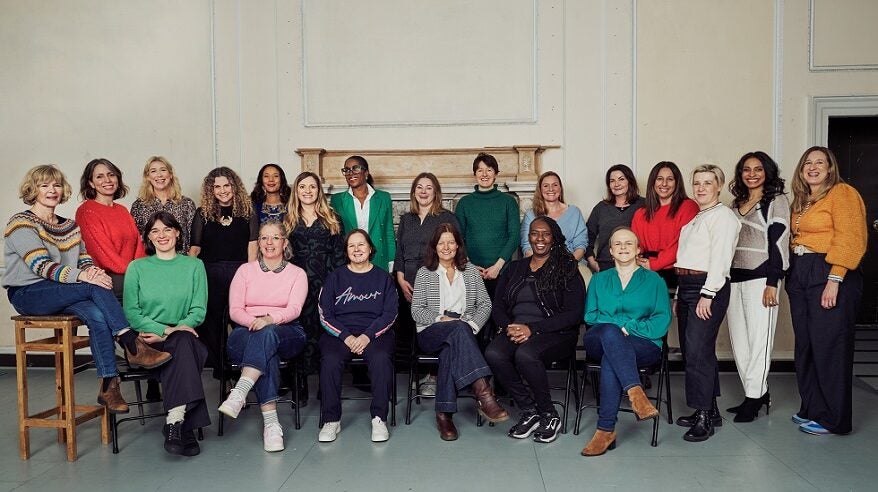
139, 393
297, 375
570, 369
393, 400
200, 434
413, 363
668, 391
580, 406
114, 429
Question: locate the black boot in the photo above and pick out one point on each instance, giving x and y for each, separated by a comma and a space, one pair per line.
702, 429
716, 419
750, 408
737, 408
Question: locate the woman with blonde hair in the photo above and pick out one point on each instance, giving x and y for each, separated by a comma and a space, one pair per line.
224, 233
160, 191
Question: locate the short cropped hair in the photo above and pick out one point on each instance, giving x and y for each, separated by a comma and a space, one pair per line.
39, 175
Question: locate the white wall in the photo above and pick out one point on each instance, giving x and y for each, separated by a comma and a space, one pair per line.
226, 82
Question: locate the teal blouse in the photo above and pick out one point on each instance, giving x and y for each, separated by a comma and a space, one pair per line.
643, 308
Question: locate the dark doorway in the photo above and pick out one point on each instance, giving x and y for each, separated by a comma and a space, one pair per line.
854, 140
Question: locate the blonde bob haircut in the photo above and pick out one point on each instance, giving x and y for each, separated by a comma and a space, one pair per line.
146, 192
40, 175
711, 168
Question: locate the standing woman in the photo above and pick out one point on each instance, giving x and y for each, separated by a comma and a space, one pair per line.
364, 207
358, 305
616, 210
825, 286
549, 200
762, 257
224, 233
265, 300
450, 305
108, 230
160, 191
48, 271
538, 308
707, 245
165, 299
271, 193
317, 240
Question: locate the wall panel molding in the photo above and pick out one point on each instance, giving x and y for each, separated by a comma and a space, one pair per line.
813, 66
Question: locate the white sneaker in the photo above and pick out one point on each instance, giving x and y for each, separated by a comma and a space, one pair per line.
273, 438
428, 385
233, 404
329, 431
379, 430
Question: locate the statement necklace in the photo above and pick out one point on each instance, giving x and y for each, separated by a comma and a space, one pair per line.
226, 220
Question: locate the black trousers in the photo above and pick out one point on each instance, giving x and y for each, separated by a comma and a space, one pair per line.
511, 362
334, 354
824, 348
181, 377
214, 331
699, 351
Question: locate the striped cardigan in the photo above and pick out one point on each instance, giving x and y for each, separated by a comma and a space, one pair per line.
425, 299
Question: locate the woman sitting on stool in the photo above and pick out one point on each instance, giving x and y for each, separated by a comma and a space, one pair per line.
358, 305
265, 300
450, 305
165, 299
629, 311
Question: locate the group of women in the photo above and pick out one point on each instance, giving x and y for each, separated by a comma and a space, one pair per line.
279, 266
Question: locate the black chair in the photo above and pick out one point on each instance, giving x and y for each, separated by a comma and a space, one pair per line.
593, 370
570, 386
136, 376
418, 358
297, 371
360, 361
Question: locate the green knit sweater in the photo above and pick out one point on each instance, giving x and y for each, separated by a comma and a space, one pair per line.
489, 223
162, 293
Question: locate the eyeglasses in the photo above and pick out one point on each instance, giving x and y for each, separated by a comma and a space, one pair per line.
265, 239
356, 168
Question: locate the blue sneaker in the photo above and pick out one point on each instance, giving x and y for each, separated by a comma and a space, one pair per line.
814, 428
799, 420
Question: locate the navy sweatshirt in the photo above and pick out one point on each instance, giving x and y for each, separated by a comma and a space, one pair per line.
357, 303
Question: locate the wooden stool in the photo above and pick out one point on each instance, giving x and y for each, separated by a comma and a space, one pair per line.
63, 416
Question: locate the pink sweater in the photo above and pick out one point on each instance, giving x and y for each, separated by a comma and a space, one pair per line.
255, 293
110, 235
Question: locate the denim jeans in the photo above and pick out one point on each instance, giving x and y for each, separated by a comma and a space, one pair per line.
460, 360
94, 305
262, 350
620, 357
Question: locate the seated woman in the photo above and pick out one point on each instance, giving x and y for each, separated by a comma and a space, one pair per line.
265, 300
48, 272
450, 305
165, 299
629, 311
358, 305
538, 306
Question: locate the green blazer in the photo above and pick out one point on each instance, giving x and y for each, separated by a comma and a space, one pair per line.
380, 223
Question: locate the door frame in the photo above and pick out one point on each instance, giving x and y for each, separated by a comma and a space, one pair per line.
824, 107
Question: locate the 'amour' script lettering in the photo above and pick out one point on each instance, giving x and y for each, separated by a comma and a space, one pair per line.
348, 296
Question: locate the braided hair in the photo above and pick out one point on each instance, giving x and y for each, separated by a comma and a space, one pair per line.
560, 267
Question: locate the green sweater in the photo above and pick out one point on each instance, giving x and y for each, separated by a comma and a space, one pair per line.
162, 293
489, 223
642, 308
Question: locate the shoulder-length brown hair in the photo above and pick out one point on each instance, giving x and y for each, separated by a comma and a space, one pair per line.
87, 192
802, 191
431, 258
324, 212
539, 204
210, 208
633, 190
436, 207
653, 202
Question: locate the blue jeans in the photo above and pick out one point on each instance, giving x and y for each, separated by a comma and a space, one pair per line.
262, 350
620, 358
94, 305
460, 360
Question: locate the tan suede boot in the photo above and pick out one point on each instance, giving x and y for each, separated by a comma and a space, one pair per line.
642, 406
600, 443
488, 405
112, 398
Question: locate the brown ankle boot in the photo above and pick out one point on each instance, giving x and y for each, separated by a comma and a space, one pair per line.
112, 398
146, 356
643, 408
600, 443
447, 430
488, 405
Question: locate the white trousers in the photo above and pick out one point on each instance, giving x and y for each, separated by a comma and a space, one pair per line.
751, 329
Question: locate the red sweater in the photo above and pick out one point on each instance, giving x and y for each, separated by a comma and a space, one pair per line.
663, 233
110, 236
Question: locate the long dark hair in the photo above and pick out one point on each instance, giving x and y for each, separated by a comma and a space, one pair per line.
362, 161
87, 192
167, 219
431, 257
258, 193
555, 274
653, 203
773, 186
633, 190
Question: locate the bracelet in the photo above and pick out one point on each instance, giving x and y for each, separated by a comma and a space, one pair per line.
835, 278
707, 296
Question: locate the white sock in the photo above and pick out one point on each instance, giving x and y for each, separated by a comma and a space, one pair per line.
269, 417
244, 386
176, 414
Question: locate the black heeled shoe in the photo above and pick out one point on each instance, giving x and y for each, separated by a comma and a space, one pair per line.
737, 408
751, 406
702, 429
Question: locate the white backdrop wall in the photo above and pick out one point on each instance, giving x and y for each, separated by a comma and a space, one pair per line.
242, 83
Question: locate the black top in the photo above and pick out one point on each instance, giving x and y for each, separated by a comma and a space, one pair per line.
220, 242
527, 307
411, 239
